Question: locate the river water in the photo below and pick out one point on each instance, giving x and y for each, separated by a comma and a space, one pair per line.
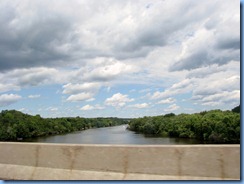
111, 135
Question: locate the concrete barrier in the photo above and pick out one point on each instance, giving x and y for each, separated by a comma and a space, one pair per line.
38, 161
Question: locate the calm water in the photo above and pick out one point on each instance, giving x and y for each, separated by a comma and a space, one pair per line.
110, 135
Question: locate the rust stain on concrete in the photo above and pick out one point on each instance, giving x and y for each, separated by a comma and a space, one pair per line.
64, 160
222, 167
179, 153
36, 152
71, 153
125, 163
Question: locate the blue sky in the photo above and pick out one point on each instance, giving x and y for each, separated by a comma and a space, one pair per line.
119, 58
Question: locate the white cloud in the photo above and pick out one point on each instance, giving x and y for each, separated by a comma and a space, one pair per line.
166, 101
213, 104
90, 99
21, 78
80, 97
223, 42
24, 110
140, 106
225, 97
106, 69
78, 88
80, 47
34, 96
181, 87
34, 76
87, 107
216, 83
54, 109
172, 108
69, 31
211, 85
8, 87
233, 68
145, 90
118, 100
90, 107
8, 99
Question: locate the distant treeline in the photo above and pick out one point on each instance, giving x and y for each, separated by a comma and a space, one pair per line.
15, 125
213, 126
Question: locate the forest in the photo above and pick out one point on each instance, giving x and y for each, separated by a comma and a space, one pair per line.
15, 125
214, 126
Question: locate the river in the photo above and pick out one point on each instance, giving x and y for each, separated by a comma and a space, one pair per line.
110, 135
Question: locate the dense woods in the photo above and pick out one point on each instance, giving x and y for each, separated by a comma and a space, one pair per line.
213, 126
15, 125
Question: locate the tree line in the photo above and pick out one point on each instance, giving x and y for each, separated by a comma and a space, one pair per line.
15, 125
214, 126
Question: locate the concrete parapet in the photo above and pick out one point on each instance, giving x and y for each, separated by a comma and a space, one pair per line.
39, 161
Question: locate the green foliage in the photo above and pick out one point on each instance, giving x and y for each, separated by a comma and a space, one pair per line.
213, 126
15, 125
236, 109
169, 115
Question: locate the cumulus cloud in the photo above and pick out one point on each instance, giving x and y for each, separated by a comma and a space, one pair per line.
87, 107
90, 107
140, 106
219, 98
80, 97
24, 110
8, 99
118, 100
60, 33
34, 96
223, 96
211, 85
66, 32
90, 99
105, 69
166, 101
172, 108
20, 78
84, 46
8, 87
93, 76
181, 87
227, 78
214, 85
77, 88
52, 109
35, 77
216, 41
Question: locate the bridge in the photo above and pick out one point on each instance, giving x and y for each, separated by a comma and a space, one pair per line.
41, 161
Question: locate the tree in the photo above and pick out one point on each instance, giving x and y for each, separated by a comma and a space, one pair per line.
237, 109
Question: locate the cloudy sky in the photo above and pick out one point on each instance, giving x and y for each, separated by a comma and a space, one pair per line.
123, 58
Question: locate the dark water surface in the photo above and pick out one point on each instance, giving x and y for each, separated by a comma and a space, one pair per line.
110, 135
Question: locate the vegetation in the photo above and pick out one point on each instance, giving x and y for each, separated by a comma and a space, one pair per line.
213, 126
15, 125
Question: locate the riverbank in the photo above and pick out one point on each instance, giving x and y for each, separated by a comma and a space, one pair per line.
15, 125
213, 126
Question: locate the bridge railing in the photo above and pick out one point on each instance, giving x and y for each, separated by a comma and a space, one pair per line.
39, 161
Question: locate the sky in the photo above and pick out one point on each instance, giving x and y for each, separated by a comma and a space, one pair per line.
116, 58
